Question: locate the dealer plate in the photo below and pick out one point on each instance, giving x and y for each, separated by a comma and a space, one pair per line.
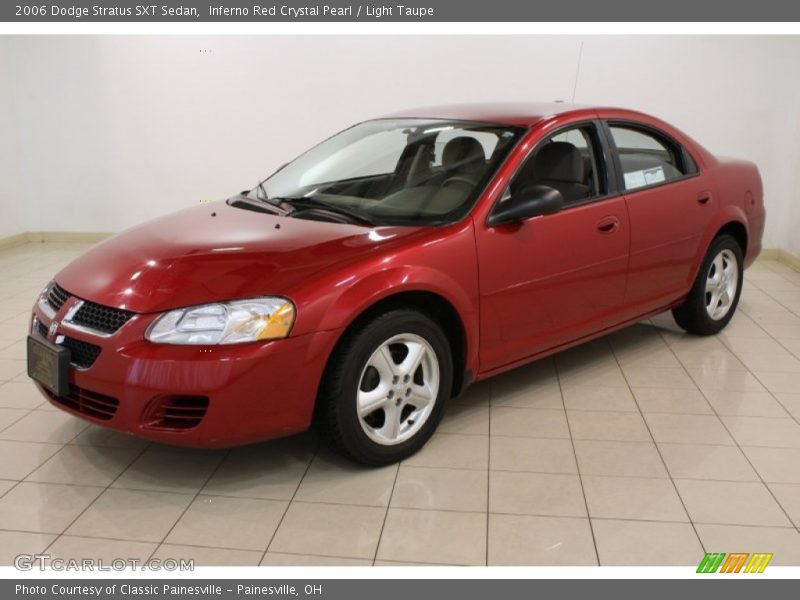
48, 364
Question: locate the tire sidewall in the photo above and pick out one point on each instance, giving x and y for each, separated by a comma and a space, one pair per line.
346, 402
724, 242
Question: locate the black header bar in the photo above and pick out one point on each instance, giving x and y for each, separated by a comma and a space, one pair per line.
243, 11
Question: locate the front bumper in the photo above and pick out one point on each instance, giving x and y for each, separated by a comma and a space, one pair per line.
254, 391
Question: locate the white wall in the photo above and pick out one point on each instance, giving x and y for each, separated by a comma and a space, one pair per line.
110, 131
12, 201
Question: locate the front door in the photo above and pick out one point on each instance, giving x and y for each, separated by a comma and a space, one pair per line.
556, 278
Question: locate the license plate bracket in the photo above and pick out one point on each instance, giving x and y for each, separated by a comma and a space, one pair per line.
48, 364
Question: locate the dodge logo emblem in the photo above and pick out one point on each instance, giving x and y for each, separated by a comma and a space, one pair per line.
53, 327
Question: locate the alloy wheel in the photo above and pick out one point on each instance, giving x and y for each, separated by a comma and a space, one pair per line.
398, 389
722, 280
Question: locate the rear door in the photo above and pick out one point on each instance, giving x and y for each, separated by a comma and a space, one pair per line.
669, 208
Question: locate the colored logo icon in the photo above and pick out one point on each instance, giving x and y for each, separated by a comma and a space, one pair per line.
736, 562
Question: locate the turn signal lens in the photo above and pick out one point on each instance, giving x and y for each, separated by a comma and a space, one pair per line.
279, 323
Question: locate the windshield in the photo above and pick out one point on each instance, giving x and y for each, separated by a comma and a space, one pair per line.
393, 172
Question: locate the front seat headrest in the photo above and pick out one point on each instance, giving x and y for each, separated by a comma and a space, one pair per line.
559, 161
462, 151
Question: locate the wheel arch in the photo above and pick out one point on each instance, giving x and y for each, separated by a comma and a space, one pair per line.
737, 231
431, 303
731, 221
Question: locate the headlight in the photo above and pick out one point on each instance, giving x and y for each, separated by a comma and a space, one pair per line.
225, 322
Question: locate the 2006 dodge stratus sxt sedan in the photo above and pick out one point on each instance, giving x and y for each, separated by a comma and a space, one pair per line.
366, 283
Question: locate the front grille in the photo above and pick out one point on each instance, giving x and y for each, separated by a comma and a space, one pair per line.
81, 354
56, 296
177, 412
101, 318
41, 328
87, 402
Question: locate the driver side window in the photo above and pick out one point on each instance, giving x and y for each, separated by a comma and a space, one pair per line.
569, 161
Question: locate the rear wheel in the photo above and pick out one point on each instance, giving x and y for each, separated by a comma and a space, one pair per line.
714, 296
385, 387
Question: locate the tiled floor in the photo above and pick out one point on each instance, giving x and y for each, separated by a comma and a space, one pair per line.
645, 447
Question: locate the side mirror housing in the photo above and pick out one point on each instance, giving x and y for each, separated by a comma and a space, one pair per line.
532, 201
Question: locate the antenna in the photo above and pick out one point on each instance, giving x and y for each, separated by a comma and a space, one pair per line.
577, 71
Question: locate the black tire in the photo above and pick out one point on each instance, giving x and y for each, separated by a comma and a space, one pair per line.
337, 401
692, 315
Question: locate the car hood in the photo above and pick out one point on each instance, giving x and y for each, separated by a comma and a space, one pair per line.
216, 252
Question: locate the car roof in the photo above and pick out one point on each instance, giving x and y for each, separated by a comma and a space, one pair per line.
520, 114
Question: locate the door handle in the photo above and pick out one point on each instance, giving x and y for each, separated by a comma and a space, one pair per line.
608, 225
704, 198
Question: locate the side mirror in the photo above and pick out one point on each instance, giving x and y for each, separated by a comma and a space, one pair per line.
532, 201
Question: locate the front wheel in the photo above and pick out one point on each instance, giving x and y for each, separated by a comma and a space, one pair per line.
714, 296
385, 388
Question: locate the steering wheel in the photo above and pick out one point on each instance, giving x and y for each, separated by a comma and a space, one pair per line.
458, 179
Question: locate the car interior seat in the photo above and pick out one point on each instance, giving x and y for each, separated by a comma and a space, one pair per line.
464, 157
558, 165
463, 163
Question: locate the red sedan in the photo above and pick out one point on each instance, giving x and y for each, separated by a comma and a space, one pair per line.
366, 283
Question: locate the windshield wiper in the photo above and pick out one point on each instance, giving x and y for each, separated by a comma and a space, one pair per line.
257, 205
261, 192
309, 202
263, 198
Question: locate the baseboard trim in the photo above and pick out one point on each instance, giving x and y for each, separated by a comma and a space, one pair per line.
76, 237
789, 259
13, 240
770, 254
68, 237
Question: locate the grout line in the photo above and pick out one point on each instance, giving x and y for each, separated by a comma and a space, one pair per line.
189, 505
314, 455
361, 558
25, 411
788, 415
577, 465
757, 378
747, 458
790, 527
386, 513
63, 484
332, 503
562, 439
291, 553
79, 515
36, 468
478, 512
773, 298
660, 455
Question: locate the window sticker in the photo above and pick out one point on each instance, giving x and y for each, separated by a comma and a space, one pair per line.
634, 179
654, 175
643, 177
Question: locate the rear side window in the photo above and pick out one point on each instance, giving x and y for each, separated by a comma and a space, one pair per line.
647, 158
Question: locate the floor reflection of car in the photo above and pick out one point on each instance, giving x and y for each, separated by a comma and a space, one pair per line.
365, 284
